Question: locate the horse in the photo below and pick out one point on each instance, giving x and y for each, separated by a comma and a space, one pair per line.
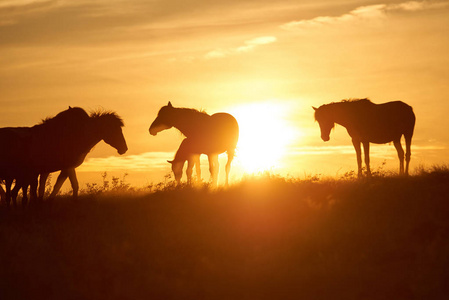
104, 126
58, 143
186, 152
367, 122
211, 134
13, 160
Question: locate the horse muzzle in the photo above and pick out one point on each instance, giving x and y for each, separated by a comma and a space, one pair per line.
153, 132
325, 138
122, 151
155, 128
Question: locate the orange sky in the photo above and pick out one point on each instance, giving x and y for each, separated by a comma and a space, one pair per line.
238, 56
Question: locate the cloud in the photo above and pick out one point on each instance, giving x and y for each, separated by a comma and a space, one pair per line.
140, 162
360, 13
248, 46
12, 10
418, 5
363, 13
19, 3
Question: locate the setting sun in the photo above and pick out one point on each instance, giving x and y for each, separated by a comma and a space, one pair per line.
265, 135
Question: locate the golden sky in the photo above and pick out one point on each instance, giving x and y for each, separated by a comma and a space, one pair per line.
267, 62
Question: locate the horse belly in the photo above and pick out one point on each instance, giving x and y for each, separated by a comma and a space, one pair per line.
382, 138
220, 135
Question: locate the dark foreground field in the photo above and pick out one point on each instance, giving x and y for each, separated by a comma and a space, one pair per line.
263, 238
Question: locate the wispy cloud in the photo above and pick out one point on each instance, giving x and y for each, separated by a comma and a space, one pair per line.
363, 13
360, 13
140, 162
418, 5
379, 151
248, 46
18, 3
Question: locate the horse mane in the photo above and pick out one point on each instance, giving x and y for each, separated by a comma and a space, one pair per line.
192, 111
63, 116
349, 101
110, 116
352, 100
79, 113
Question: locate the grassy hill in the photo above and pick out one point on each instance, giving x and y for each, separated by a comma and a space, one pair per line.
264, 238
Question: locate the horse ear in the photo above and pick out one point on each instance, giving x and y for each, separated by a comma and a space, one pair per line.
70, 107
314, 108
169, 104
170, 161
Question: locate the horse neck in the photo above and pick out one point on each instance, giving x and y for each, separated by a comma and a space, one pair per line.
342, 114
57, 148
83, 143
84, 138
97, 126
183, 152
180, 156
92, 139
190, 123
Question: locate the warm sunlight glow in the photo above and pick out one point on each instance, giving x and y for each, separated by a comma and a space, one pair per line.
265, 135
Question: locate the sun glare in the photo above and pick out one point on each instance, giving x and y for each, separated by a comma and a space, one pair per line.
265, 135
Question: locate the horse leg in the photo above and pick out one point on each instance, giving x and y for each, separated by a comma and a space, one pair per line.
366, 152
398, 146
196, 159
408, 152
2, 194
59, 182
228, 165
213, 168
189, 170
74, 182
8, 183
358, 153
33, 182
15, 191
42, 182
24, 195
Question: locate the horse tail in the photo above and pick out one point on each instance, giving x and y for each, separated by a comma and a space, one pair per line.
231, 153
411, 120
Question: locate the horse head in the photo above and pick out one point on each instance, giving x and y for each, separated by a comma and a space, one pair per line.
325, 120
109, 126
163, 120
176, 167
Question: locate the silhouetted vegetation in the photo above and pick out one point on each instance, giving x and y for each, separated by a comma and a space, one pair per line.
266, 237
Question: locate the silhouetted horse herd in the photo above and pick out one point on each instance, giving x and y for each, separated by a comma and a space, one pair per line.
61, 143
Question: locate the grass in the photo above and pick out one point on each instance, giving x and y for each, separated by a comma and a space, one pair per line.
266, 237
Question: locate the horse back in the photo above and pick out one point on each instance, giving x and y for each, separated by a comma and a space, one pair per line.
217, 134
15, 153
385, 122
15, 139
226, 126
396, 113
58, 147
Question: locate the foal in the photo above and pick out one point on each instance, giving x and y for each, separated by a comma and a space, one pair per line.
186, 153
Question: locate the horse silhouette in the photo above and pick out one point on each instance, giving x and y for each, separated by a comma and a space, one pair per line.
13, 159
58, 143
367, 122
211, 134
106, 126
186, 152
